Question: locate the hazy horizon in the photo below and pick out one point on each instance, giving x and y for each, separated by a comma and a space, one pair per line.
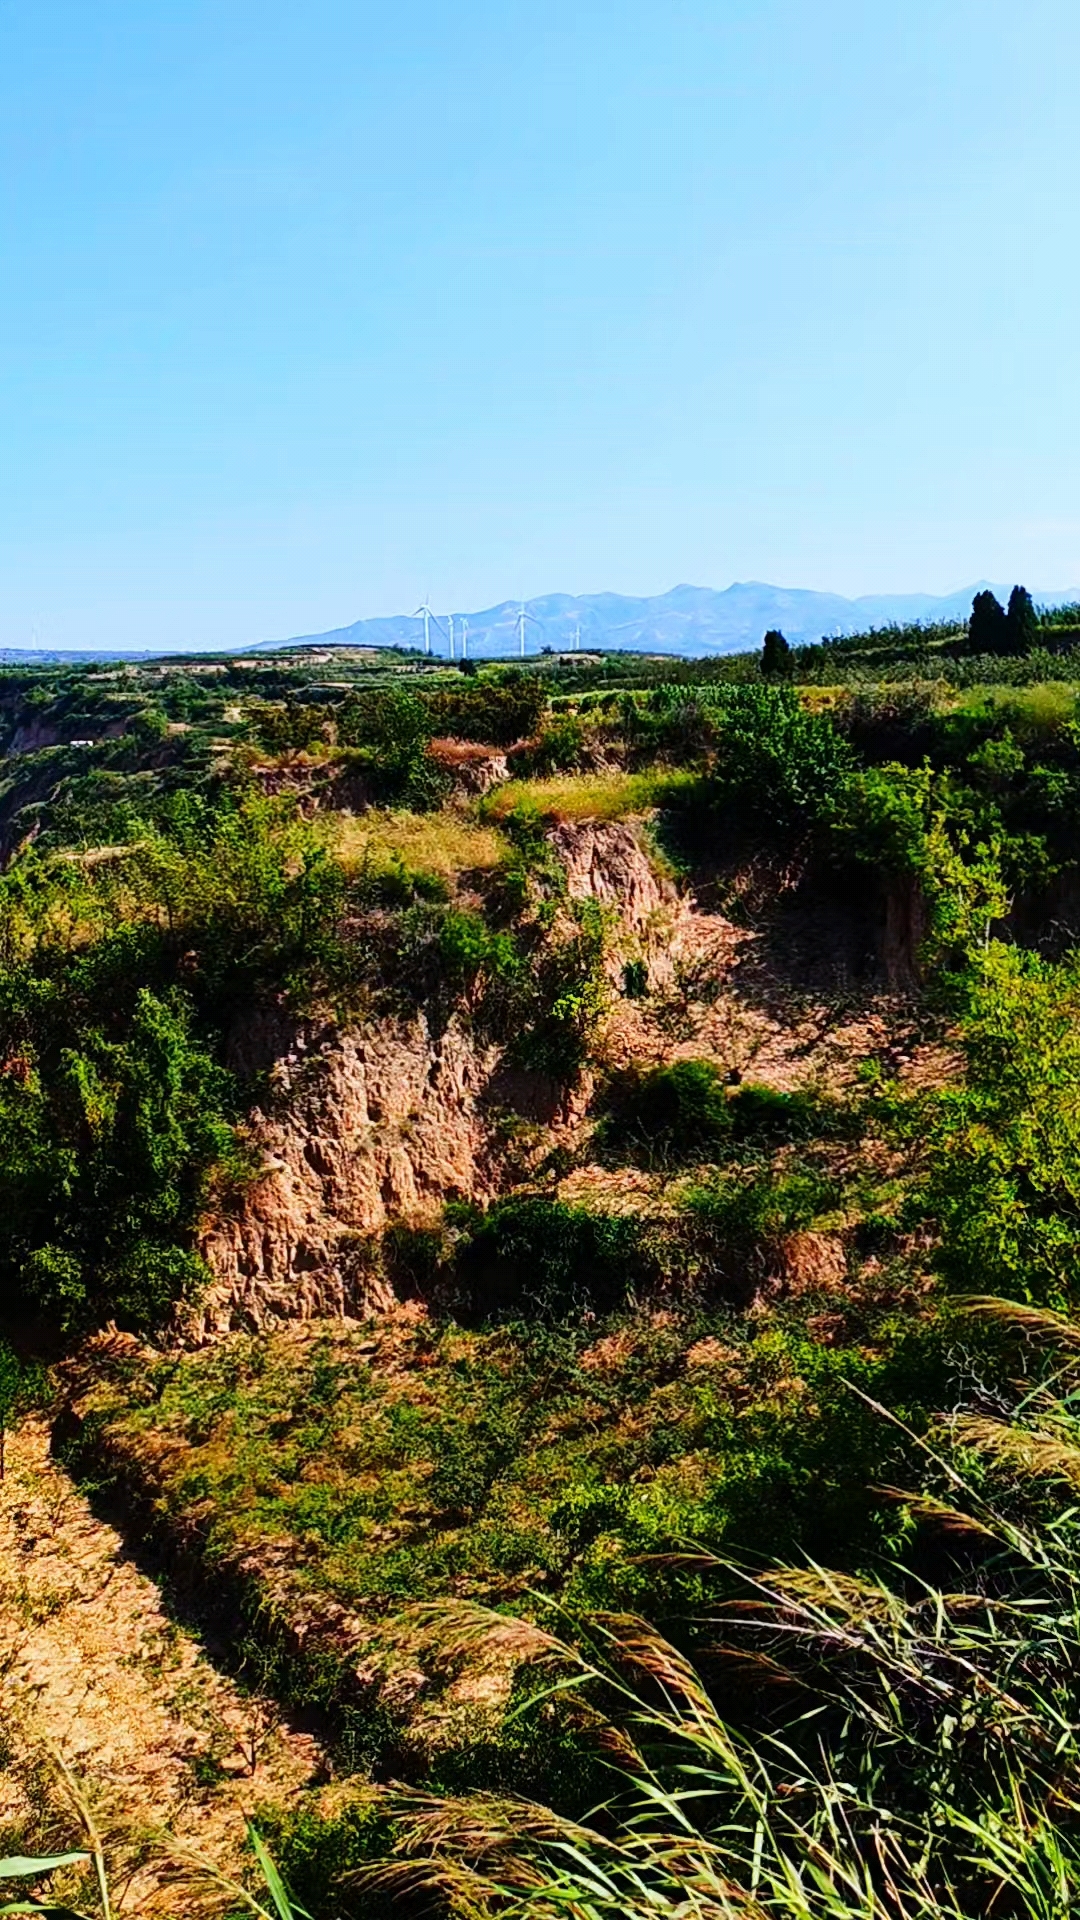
803, 614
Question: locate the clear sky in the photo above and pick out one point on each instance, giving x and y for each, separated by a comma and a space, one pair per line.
309, 307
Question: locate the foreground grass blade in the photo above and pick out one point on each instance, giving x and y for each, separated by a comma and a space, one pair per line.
23, 1866
275, 1885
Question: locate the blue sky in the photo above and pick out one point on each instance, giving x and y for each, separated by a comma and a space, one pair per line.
307, 310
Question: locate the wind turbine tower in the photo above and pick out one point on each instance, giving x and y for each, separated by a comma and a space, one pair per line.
424, 613
464, 638
450, 623
525, 619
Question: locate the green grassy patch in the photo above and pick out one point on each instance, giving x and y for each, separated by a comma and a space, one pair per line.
375, 1467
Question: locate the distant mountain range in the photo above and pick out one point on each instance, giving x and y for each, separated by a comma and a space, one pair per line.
689, 620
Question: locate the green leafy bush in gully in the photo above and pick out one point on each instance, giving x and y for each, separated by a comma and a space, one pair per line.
668, 1117
686, 1114
389, 732
1004, 1172
530, 972
768, 745
109, 1135
120, 976
118, 980
539, 1258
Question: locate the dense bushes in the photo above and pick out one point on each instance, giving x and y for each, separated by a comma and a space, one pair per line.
774, 772
497, 710
123, 971
109, 1137
687, 1113
668, 1117
1005, 1151
537, 1257
119, 979
389, 732
538, 988
389, 729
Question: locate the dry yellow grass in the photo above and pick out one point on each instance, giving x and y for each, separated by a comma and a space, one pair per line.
442, 843
588, 796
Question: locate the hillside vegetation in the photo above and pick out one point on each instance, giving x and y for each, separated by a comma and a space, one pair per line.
494, 1172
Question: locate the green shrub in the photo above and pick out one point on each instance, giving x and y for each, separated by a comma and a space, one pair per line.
670, 1116
500, 710
766, 1116
109, 1137
542, 1258
119, 982
316, 1847
560, 748
1004, 1152
738, 1220
389, 732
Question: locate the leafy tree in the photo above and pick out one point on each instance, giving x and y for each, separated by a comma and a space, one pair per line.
1023, 622
777, 659
149, 725
988, 628
119, 982
108, 1136
767, 744
1005, 1150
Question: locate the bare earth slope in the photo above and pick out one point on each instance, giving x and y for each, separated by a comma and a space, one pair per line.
94, 1669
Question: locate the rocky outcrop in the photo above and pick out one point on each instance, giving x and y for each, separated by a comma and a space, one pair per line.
606, 861
384, 1124
381, 1124
471, 769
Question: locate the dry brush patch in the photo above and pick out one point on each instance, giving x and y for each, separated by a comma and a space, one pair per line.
446, 843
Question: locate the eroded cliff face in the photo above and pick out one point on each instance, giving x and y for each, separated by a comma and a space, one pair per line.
608, 861
385, 1123
379, 1124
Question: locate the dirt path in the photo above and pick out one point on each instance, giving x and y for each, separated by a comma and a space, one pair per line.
92, 1667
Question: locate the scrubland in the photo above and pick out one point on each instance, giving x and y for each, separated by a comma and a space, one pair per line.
694, 1439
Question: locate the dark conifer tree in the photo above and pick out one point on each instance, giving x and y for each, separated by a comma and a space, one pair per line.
777, 661
1023, 621
988, 628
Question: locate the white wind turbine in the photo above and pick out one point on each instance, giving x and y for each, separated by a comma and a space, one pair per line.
423, 612
524, 619
430, 620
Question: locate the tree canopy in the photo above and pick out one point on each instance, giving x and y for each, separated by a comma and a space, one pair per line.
988, 628
777, 661
1022, 621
